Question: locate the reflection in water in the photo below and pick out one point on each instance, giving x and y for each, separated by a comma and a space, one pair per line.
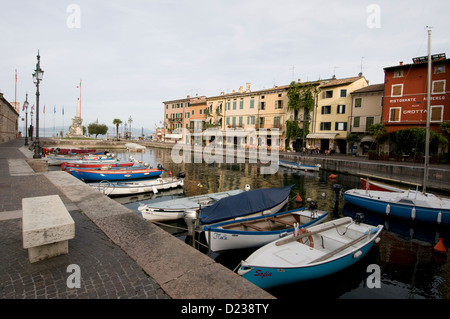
409, 268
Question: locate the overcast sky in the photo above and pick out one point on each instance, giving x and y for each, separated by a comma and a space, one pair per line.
133, 55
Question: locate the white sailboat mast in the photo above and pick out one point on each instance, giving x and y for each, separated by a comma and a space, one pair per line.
427, 137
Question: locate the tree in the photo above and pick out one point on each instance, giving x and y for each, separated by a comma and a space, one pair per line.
293, 131
117, 122
445, 128
97, 129
378, 132
300, 96
414, 138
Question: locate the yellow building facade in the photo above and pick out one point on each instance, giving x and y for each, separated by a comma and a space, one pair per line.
330, 117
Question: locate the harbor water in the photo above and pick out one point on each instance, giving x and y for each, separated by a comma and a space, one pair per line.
402, 266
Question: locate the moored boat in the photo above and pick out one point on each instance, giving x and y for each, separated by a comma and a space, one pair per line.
409, 205
310, 253
137, 187
65, 151
299, 166
378, 186
56, 160
258, 231
173, 209
251, 203
115, 175
90, 164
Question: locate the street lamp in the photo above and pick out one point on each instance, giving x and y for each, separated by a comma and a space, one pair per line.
130, 120
25, 105
37, 78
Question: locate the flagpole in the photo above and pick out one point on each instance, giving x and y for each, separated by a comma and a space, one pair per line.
54, 114
63, 122
15, 89
80, 97
44, 119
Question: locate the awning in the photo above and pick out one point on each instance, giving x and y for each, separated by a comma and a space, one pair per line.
368, 138
173, 136
328, 136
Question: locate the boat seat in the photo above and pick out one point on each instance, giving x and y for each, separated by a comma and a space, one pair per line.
252, 226
281, 221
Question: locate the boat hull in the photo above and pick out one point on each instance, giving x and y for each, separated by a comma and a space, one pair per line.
82, 164
114, 175
174, 209
377, 186
269, 277
338, 245
219, 238
435, 216
299, 166
130, 188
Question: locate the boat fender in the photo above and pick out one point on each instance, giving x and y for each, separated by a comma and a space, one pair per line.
439, 218
388, 209
298, 199
413, 213
283, 234
377, 240
310, 238
357, 254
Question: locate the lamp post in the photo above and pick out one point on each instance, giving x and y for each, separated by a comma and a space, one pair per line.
130, 120
25, 105
37, 78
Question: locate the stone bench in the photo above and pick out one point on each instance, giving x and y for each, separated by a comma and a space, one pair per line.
46, 227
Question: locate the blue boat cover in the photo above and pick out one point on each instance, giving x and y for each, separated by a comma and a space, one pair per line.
245, 203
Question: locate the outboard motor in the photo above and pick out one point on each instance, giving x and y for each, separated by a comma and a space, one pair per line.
191, 219
359, 218
181, 175
312, 205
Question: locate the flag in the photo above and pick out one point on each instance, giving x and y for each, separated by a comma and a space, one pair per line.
54, 109
43, 111
16, 76
23, 107
63, 111
79, 85
32, 107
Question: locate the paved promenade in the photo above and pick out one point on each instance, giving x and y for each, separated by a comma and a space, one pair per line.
120, 255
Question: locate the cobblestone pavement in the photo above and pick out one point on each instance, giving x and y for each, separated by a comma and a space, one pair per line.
105, 270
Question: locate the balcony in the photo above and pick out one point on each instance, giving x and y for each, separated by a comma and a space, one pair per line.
269, 126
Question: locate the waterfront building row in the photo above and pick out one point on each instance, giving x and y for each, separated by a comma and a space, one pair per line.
341, 107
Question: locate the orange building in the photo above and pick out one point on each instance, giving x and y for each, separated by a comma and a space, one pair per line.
405, 94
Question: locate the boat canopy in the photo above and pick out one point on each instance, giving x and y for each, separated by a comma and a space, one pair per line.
245, 203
